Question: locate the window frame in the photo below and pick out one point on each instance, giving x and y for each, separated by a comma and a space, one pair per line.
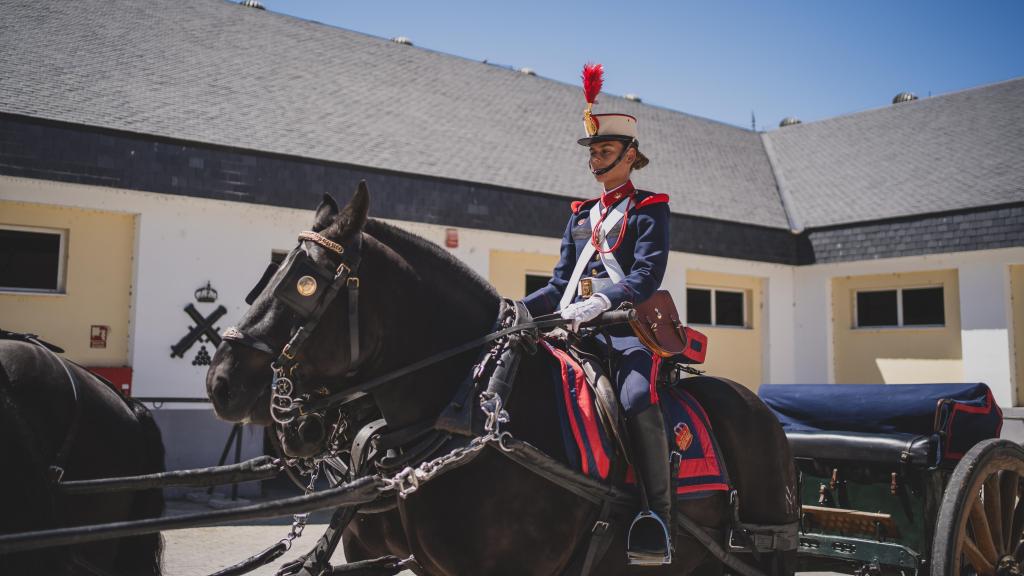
62, 262
899, 308
747, 324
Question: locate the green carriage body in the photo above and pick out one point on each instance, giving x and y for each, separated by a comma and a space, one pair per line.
911, 493
909, 505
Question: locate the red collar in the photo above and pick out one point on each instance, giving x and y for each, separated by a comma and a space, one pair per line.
612, 197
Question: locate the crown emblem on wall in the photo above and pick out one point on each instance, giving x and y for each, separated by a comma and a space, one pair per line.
206, 294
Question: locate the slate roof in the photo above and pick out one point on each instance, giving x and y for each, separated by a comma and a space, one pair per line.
210, 71
950, 152
214, 72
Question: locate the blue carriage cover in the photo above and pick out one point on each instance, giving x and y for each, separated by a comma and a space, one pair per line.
960, 414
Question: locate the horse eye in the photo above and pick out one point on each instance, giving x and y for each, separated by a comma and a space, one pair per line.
306, 286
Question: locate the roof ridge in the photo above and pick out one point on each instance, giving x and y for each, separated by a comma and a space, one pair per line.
920, 101
781, 185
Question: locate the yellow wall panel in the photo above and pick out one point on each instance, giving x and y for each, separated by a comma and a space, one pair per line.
906, 355
98, 282
734, 353
509, 270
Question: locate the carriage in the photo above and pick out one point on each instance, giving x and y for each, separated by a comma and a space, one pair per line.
908, 479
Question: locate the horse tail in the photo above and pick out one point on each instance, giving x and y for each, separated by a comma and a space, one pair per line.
26, 494
143, 554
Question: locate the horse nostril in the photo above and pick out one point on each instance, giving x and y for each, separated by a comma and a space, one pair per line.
222, 391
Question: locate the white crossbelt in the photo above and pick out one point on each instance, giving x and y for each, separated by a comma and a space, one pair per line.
607, 258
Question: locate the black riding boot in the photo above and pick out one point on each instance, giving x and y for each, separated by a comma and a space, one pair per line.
649, 541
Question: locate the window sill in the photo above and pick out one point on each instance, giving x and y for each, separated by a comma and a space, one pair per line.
898, 328
4, 292
719, 326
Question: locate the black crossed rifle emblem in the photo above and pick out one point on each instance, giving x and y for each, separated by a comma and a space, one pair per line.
203, 327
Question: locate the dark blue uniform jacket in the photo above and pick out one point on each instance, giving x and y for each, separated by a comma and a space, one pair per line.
642, 255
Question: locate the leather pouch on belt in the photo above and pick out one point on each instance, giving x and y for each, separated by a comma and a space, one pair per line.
657, 325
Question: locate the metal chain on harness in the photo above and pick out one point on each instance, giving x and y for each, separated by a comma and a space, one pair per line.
299, 520
281, 401
409, 479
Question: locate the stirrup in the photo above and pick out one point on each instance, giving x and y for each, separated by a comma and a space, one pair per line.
647, 556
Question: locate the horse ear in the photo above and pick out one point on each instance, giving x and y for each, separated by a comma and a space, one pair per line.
325, 213
353, 215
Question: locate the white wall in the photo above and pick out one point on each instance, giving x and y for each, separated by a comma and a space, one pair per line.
986, 321
984, 310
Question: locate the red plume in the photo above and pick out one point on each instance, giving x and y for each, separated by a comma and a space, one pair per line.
592, 81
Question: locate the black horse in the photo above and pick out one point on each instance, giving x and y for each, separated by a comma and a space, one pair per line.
491, 516
39, 406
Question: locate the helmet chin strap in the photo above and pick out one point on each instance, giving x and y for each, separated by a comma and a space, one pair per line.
622, 154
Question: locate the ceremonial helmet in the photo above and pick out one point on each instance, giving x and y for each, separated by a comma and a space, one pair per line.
609, 126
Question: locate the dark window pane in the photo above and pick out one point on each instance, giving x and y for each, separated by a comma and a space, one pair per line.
923, 306
876, 308
29, 260
698, 306
535, 282
728, 308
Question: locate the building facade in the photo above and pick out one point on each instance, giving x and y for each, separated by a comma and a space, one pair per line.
149, 177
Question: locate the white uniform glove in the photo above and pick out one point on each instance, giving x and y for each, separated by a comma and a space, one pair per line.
586, 310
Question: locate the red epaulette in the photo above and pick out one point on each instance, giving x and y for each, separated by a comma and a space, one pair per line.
577, 204
653, 199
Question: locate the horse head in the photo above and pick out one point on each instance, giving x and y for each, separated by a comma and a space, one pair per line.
310, 284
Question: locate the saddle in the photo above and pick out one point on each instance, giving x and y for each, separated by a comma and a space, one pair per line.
594, 433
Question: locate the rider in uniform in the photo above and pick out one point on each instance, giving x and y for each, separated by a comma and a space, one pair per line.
624, 236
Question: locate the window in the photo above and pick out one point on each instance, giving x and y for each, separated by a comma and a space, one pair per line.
535, 282
32, 259
923, 307
716, 307
901, 307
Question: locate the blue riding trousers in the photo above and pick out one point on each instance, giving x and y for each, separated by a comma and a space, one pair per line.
635, 376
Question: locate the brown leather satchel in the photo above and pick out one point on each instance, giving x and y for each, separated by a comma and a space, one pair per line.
658, 326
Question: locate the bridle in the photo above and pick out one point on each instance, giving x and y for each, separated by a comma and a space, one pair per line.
308, 289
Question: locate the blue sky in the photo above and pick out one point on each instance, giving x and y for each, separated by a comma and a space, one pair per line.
720, 59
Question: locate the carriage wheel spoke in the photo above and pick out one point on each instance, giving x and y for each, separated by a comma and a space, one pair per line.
977, 559
1018, 522
994, 513
982, 534
1009, 490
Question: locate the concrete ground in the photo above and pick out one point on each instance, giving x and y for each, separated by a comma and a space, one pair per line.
199, 551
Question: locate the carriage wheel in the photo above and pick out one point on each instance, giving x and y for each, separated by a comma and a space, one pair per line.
979, 527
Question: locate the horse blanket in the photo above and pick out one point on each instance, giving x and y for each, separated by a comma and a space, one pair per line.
590, 447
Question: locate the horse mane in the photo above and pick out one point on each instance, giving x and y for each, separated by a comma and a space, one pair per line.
430, 260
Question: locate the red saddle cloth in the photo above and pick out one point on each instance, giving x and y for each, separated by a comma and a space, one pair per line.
589, 445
